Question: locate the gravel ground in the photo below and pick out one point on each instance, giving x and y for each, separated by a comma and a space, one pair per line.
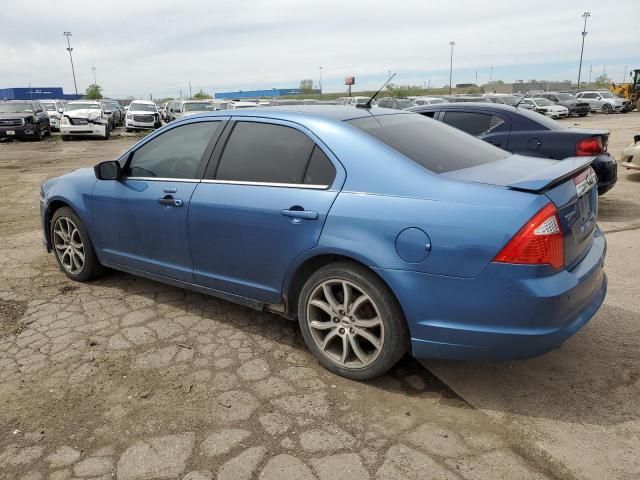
130, 379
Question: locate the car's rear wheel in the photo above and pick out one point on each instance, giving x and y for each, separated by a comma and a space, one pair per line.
107, 133
606, 108
72, 246
352, 322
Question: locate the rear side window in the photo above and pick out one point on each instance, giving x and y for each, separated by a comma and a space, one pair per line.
472, 122
432, 144
320, 170
266, 153
174, 154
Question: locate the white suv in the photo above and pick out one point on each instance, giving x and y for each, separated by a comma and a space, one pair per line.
604, 101
142, 114
54, 109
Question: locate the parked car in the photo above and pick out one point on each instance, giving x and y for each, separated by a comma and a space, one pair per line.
546, 107
397, 103
84, 118
23, 119
174, 108
142, 115
353, 101
529, 133
54, 109
503, 98
631, 154
575, 106
111, 111
239, 104
471, 252
604, 101
427, 100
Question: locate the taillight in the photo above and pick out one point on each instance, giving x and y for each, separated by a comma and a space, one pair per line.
539, 242
589, 146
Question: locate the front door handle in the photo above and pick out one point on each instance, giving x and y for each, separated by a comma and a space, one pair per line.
299, 213
169, 201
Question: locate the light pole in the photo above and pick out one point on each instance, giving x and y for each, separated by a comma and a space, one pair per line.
585, 15
624, 77
320, 68
451, 67
95, 82
69, 49
490, 75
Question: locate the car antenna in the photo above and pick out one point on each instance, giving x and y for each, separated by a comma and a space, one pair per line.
525, 96
368, 104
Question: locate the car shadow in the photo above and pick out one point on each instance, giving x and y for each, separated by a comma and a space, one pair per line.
613, 209
634, 177
407, 377
594, 379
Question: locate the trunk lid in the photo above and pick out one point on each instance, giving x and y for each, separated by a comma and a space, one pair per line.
570, 184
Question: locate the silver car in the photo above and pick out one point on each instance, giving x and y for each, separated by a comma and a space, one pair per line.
604, 101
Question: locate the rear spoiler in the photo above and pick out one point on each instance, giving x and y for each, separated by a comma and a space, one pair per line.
552, 175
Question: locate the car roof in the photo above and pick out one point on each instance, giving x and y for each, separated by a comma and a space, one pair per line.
299, 112
85, 101
148, 102
463, 105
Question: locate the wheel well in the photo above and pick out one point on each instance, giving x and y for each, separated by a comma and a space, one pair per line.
51, 209
305, 270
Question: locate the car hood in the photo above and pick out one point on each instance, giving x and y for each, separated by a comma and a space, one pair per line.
15, 115
553, 108
195, 112
87, 113
78, 174
141, 112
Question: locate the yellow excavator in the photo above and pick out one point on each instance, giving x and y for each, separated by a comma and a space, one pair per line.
630, 91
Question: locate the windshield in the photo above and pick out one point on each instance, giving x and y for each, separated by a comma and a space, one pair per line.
198, 107
405, 103
142, 107
510, 99
106, 106
81, 106
50, 107
543, 102
607, 95
16, 108
564, 96
432, 144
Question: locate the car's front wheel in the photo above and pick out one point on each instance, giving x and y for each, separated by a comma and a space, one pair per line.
72, 246
607, 108
352, 322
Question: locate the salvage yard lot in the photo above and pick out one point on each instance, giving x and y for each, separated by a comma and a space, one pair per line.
130, 379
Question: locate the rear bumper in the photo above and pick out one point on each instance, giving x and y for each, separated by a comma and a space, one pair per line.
606, 169
507, 312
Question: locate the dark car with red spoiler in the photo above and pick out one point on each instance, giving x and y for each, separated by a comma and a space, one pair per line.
528, 133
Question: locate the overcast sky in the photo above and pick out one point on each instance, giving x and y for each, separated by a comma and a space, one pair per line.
157, 47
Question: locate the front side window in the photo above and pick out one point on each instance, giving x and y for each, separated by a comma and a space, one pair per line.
266, 153
174, 154
473, 123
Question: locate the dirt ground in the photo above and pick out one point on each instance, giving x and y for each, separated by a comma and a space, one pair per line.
130, 379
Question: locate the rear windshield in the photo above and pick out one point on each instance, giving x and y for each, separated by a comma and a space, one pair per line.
432, 144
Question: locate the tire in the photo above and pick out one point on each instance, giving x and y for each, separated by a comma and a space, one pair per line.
583, 114
107, 133
70, 242
48, 132
364, 359
606, 108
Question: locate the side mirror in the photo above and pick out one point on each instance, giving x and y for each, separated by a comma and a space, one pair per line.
109, 170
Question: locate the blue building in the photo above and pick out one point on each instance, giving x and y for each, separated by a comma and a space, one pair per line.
267, 93
36, 93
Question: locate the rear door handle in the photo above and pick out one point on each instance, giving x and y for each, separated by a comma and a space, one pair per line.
169, 201
303, 214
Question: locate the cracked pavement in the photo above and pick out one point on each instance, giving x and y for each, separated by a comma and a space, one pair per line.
131, 379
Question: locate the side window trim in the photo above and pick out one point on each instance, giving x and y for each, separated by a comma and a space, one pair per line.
211, 171
203, 160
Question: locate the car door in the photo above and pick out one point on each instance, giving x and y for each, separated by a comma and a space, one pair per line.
40, 115
488, 126
262, 203
140, 221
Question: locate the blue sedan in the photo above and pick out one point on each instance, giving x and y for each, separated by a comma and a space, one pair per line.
380, 231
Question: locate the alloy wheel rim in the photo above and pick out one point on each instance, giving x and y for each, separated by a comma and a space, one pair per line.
345, 324
68, 245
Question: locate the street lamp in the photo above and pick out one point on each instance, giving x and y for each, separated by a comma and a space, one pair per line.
490, 75
585, 15
451, 67
320, 68
95, 82
69, 49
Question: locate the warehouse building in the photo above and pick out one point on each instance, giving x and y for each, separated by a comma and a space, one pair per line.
267, 93
530, 86
36, 93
